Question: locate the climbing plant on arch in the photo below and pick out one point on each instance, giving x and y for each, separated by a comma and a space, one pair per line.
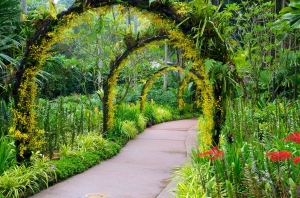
198, 78
36, 52
176, 39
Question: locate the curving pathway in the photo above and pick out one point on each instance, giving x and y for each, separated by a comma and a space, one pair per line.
142, 169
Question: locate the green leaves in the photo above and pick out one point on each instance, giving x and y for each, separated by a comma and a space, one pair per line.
292, 14
9, 19
19, 181
209, 63
242, 65
99, 25
5, 153
150, 2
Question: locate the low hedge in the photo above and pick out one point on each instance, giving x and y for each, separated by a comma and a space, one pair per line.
69, 166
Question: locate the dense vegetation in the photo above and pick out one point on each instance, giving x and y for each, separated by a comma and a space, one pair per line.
68, 96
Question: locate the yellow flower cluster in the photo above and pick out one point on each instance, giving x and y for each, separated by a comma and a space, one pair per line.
110, 104
182, 7
206, 123
204, 136
180, 92
146, 87
180, 41
24, 126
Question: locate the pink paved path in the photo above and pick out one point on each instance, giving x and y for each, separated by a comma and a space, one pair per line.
142, 169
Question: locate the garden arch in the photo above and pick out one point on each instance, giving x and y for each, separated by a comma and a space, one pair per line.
108, 86
158, 73
25, 131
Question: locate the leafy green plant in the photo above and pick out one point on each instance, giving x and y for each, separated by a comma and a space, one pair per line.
161, 115
128, 112
292, 14
149, 113
141, 124
21, 181
129, 129
162, 97
6, 153
6, 116
69, 166
66, 118
91, 141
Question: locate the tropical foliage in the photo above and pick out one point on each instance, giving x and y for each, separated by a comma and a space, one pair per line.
81, 79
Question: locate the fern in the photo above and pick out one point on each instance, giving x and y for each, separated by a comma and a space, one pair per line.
209, 64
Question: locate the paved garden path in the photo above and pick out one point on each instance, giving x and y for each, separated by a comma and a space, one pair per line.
142, 169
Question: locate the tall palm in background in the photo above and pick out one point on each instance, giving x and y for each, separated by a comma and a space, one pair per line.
10, 43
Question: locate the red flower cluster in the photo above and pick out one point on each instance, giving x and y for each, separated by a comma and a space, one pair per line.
214, 153
296, 159
279, 156
294, 137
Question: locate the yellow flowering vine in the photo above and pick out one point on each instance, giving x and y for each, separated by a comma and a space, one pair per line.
24, 128
206, 121
180, 91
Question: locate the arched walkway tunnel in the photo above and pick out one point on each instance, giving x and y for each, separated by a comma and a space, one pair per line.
168, 27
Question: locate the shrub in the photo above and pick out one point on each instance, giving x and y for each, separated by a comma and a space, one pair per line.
21, 181
149, 113
162, 97
128, 112
71, 165
141, 124
129, 129
161, 115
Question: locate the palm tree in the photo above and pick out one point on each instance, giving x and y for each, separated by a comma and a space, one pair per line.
9, 40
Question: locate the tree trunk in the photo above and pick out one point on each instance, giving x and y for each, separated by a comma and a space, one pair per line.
165, 85
135, 31
99, 64
215, 2
295, 82
273, 86
180, 63
127, 19
24, 6
104, 108
218, 116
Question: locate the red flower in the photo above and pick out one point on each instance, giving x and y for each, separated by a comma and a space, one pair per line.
279, 156
296, 159
215, 153
294, 137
